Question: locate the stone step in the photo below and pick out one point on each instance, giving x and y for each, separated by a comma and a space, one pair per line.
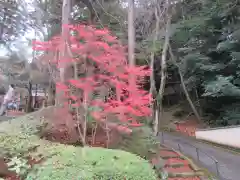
184, 178
184, 174
168, 154
176, 162
180, 169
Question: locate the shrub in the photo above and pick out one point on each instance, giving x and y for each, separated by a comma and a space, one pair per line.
141, 142
230, 115
71, 162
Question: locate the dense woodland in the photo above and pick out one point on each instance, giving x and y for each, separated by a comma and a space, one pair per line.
189, 43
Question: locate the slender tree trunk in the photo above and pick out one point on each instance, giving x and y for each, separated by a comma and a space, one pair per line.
198, 102
44, 102
131, 33
50, 93
163, 74
131, 42
66, 14
188, 97
153, 90
184, 87
29, 99
35, 98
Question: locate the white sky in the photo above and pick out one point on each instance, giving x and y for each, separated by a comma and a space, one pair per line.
23, 40
31, 33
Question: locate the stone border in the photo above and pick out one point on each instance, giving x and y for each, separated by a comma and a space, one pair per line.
226, 127
215, 145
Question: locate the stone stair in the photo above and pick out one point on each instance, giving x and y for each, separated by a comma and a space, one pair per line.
178, 166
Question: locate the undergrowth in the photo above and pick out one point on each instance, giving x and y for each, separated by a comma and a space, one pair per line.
140, 142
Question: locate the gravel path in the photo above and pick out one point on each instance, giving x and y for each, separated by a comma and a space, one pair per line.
228, 163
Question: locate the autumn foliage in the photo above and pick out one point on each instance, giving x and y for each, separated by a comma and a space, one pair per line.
102, 87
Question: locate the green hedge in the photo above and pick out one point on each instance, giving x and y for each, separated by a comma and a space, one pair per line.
87, 163
69, 162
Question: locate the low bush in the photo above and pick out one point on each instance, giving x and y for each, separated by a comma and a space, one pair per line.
141, 142
19, 140
71, 162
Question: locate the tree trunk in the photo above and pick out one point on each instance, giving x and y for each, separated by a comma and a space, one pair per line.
153, 90
131, 41
35, 97
51, 94
163, 75
66, 14
131, 33
44, 102
199, 102
29, 99
188, 97
184, 87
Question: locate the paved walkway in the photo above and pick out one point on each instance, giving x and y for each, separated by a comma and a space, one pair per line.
229, 163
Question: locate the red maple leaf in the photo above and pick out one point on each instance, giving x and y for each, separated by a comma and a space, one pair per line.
98, 50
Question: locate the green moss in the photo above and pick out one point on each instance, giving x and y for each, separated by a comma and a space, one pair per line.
71, 162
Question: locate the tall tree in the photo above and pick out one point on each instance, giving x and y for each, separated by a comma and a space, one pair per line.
153, 90
131, 33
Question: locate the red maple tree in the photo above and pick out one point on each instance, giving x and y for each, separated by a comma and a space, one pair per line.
104, 85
